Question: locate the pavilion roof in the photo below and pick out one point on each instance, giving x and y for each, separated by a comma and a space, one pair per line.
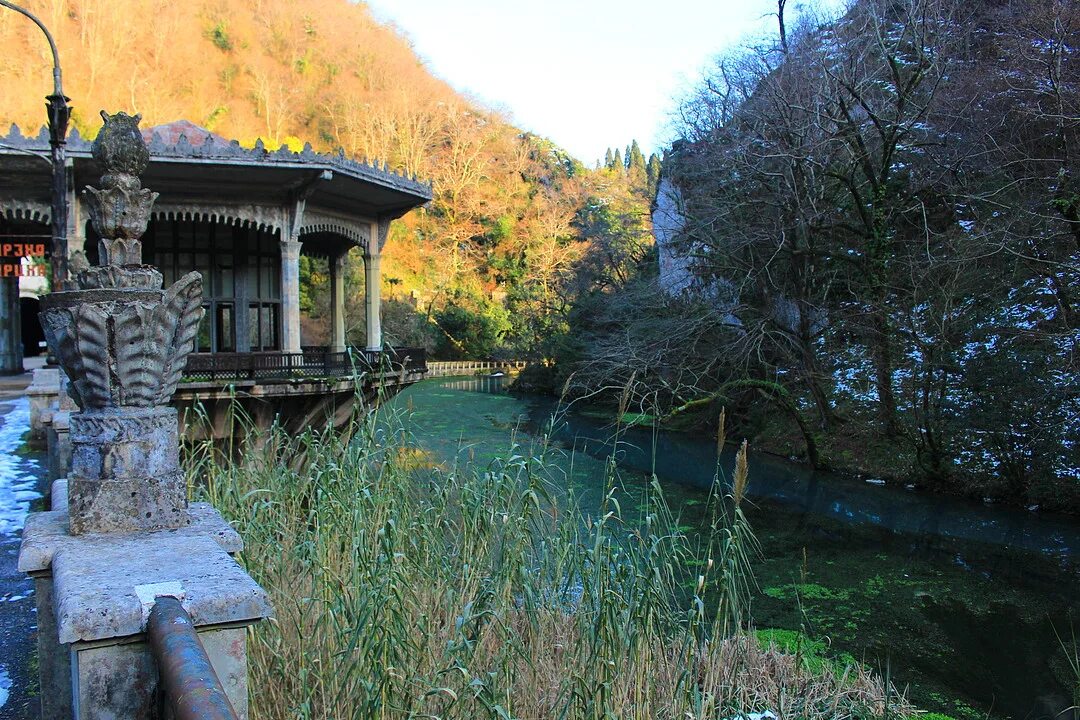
170, 133
186, 142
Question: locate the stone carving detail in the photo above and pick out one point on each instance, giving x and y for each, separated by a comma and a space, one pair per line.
261, 217
123, 341
318, 221
26, 210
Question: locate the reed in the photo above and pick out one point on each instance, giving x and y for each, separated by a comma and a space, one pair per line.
406, 590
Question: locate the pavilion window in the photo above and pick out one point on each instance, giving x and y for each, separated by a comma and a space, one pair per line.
240, 270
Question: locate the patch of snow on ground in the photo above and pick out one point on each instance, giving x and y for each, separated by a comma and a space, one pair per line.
5, 687
17, 487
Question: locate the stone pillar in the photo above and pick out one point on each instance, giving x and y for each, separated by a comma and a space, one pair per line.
373, 288
11, 354
126, 534
76, 218
44, 390
337, 303
125, 472
290, 295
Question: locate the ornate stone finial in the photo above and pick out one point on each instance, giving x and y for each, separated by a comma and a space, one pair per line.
123, 342
121, 209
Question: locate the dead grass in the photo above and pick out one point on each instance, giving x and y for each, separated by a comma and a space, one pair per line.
403, 590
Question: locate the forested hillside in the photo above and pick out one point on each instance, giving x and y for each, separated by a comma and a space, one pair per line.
882, 224
489, 267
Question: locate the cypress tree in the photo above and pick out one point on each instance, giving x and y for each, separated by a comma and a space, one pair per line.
609, 160
635, 161
617, 162
652, 173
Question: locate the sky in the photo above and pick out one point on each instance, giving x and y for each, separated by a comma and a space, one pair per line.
588, 74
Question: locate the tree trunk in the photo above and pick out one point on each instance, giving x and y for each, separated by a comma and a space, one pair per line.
883, 367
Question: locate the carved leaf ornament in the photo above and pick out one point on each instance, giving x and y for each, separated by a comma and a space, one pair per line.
121, 339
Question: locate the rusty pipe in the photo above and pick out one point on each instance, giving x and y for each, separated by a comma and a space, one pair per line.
191, 687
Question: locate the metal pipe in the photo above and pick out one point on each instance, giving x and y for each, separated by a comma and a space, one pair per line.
191, 686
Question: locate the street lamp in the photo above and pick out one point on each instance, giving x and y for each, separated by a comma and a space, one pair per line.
59, 115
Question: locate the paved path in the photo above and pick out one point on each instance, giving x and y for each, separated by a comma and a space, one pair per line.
13, 386
22, 485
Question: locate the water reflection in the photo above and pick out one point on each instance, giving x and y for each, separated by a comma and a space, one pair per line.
960, 599
690, 462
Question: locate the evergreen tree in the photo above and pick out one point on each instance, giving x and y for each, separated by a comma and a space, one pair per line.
617, 161
652, 174
609, 160
635, 161
635, 168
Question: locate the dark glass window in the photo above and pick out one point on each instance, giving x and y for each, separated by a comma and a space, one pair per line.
237, 264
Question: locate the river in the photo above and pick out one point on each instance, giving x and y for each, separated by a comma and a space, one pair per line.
960, 603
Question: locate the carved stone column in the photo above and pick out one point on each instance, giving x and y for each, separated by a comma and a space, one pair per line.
290, 295
125, 535
123, 342
337, 303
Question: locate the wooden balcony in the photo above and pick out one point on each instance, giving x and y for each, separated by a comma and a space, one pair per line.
311, 364
297, 391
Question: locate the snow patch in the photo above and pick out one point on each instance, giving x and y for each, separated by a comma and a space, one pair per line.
18, 487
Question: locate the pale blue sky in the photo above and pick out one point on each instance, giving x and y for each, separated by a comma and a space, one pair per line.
589, 74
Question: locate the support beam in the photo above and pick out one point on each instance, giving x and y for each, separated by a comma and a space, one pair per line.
75, 215
11, 353
290, 295
373, 286
337, 303
373, 300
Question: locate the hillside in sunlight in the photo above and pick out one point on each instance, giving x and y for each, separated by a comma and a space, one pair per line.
491, 266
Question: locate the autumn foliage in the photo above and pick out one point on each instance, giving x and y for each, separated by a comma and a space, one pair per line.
486, 268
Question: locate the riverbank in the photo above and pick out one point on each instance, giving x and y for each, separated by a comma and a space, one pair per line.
851, 448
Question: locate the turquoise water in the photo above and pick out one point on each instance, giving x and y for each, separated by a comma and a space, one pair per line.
961, 603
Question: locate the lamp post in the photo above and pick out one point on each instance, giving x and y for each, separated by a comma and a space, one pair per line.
59, 115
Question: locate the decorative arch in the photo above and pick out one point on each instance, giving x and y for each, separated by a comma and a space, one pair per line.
317, 221
256, 216
25, 211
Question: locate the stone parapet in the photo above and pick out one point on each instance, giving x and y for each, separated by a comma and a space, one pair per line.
46, 533
58, 499
94, 593
43, 391
58, 432
105, 591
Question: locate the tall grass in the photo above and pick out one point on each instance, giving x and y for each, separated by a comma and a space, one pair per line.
404, 589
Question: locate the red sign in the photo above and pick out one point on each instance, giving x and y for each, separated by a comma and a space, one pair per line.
11, 255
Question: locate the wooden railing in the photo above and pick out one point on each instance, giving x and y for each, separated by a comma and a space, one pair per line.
311, 363
446, 368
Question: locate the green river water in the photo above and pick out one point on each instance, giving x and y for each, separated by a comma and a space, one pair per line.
960, 603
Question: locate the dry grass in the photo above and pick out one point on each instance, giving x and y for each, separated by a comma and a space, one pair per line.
403, 591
